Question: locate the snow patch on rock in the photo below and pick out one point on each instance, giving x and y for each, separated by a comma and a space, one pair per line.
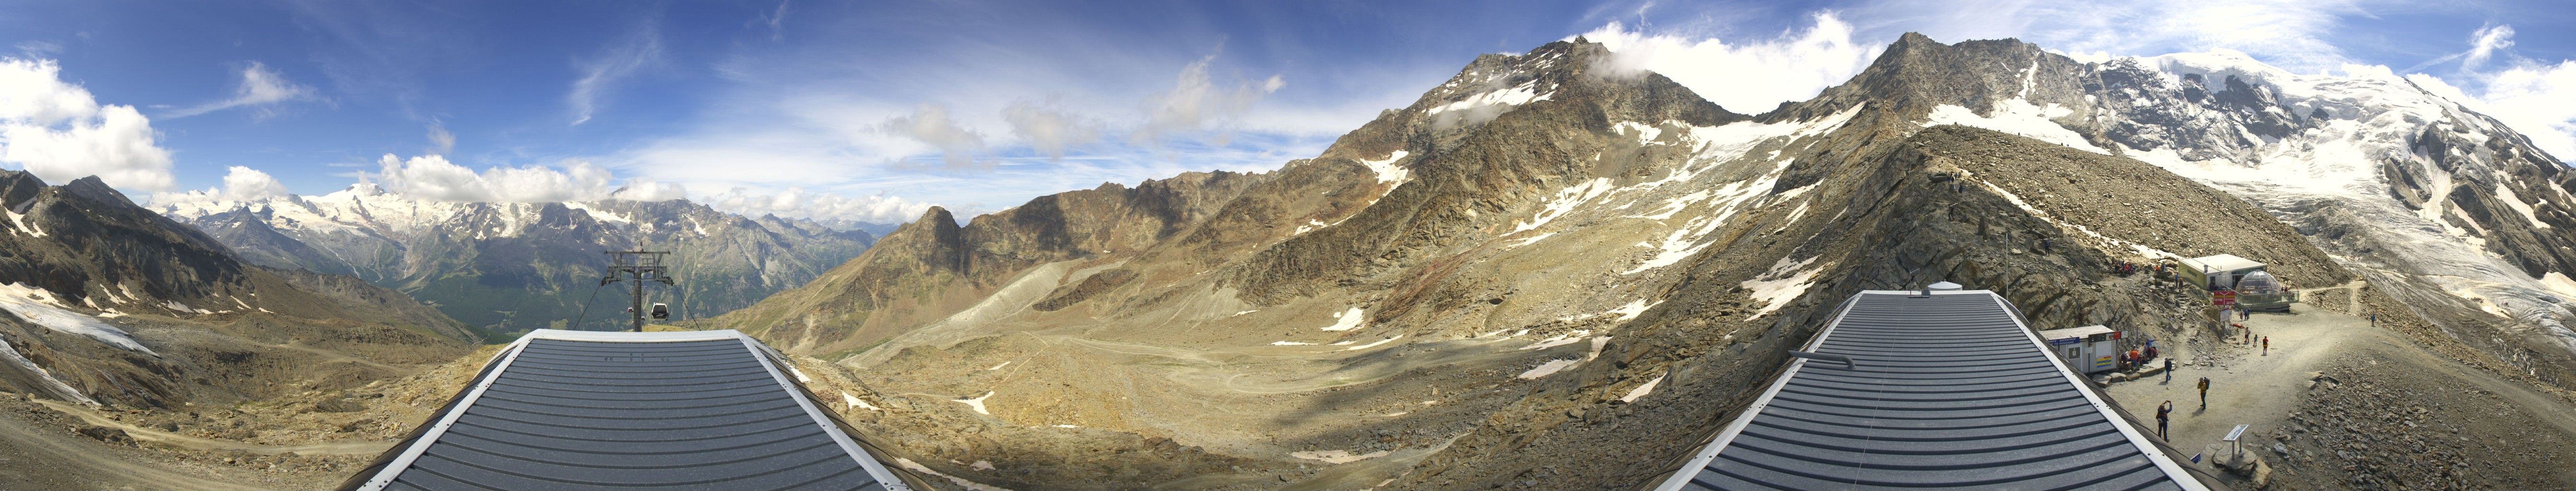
1348, 320
1564, 201
1784, 282
59, 388
38, 306
1546, 369
21, 222
1387, 171
977, 402
1641, 390
1380, 342
2019, 117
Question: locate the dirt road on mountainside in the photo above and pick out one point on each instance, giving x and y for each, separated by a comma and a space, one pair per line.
158, 437
40, 453
2289, 397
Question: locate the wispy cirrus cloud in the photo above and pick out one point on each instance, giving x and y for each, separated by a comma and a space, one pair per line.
601, 73
776, 20
1196, 102
260, 90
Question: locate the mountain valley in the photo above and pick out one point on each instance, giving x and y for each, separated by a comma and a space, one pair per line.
1553, 270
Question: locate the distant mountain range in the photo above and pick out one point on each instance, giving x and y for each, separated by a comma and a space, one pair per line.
511, 267
104, 301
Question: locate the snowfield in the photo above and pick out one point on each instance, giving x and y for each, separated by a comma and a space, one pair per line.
37, 306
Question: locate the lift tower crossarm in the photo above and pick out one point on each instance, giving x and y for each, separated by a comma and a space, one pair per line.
640, 266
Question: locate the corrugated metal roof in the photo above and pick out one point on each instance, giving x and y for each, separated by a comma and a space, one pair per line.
567, 410
1949, 391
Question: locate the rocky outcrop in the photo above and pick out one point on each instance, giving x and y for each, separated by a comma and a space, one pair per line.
932, 268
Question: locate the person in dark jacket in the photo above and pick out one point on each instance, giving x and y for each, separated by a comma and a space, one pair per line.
2164, 413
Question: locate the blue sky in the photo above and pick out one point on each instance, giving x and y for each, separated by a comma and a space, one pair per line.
872, 110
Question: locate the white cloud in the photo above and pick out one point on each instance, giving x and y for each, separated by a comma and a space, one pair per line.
2535, 98
2484, 43
2284, 33
795, 202
433, 177
32, 90
1745, 77
260, 88
1195, 103
241, 184
775, 19
57, 131
39, 48
639, 189
930, 124
618, 61
440, 140
1050, 129
246, 184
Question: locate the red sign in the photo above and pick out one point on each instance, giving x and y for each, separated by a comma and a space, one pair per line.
2222, 297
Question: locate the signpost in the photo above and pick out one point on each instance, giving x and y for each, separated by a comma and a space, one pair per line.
2237, 445
2222, 297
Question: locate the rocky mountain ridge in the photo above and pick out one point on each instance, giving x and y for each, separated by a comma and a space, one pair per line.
107, 302
509, 267
1540, 261
2449, 209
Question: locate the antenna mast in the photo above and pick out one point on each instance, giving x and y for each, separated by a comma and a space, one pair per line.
640, 266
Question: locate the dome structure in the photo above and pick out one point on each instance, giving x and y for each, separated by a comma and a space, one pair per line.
2258, 283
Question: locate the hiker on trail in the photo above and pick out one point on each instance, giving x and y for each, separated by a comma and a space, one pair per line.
2204, 392
2168, 369
2267, 346
2163, 414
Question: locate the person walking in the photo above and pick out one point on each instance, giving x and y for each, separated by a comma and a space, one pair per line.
2168, 369
2204, 392
2164, 414
2267, 346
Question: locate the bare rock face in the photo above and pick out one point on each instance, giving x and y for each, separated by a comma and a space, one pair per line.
85, 240
111, 436
932, 267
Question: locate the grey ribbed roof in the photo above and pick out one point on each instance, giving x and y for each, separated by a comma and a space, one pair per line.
1950, 391
626, 411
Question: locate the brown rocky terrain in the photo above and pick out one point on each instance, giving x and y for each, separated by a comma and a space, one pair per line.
1540, 262
145, 355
